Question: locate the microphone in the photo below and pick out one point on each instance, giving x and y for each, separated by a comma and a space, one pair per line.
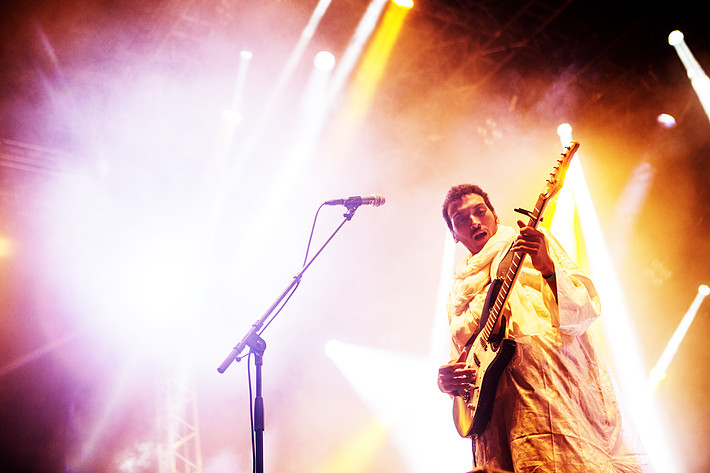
356, 201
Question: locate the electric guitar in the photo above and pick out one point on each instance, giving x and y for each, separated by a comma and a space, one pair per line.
489, 352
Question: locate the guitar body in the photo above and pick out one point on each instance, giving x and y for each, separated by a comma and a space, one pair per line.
473, 411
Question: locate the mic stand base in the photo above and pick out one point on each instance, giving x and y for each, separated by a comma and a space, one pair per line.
257, 347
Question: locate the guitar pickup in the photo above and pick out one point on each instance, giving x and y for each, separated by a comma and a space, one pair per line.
476, 360
467, 394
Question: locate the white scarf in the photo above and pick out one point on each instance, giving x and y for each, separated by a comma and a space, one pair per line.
473, 272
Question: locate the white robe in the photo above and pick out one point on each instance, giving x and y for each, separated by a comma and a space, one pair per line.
555, 410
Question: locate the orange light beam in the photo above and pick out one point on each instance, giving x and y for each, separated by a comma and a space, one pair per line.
372, 65
374, 61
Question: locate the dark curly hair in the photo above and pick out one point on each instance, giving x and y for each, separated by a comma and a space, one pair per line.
457, 193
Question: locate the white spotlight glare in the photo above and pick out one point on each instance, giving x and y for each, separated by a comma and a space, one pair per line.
703, 290
666, 121
232, 116
324, 61
564, 131
404, 3
675, 38
246, 54
332, 348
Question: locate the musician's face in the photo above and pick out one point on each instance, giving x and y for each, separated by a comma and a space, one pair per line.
474, 223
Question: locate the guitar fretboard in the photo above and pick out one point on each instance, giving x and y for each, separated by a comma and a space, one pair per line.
554, 183
511, 275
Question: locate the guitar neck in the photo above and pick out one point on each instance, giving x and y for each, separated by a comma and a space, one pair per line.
511, 274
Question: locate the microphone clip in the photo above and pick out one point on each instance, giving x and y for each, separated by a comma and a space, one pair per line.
351, 211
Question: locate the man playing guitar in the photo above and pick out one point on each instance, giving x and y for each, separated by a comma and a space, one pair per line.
551, 407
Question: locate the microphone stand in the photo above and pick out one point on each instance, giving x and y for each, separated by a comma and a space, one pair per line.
258, 346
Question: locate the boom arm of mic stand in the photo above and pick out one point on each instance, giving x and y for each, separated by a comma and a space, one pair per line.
256, 327
239, 347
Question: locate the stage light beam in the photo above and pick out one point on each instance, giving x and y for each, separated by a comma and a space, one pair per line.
619, 332
303, 142
374, 61
698, 79
364, 30
244, 61
261, 124
658, 373
426, 441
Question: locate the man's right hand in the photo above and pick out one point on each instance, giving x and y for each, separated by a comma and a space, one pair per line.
455, 378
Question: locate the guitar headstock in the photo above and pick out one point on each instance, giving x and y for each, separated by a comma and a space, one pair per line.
557, 176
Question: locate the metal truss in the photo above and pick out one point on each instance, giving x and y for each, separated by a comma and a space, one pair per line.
181, 450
